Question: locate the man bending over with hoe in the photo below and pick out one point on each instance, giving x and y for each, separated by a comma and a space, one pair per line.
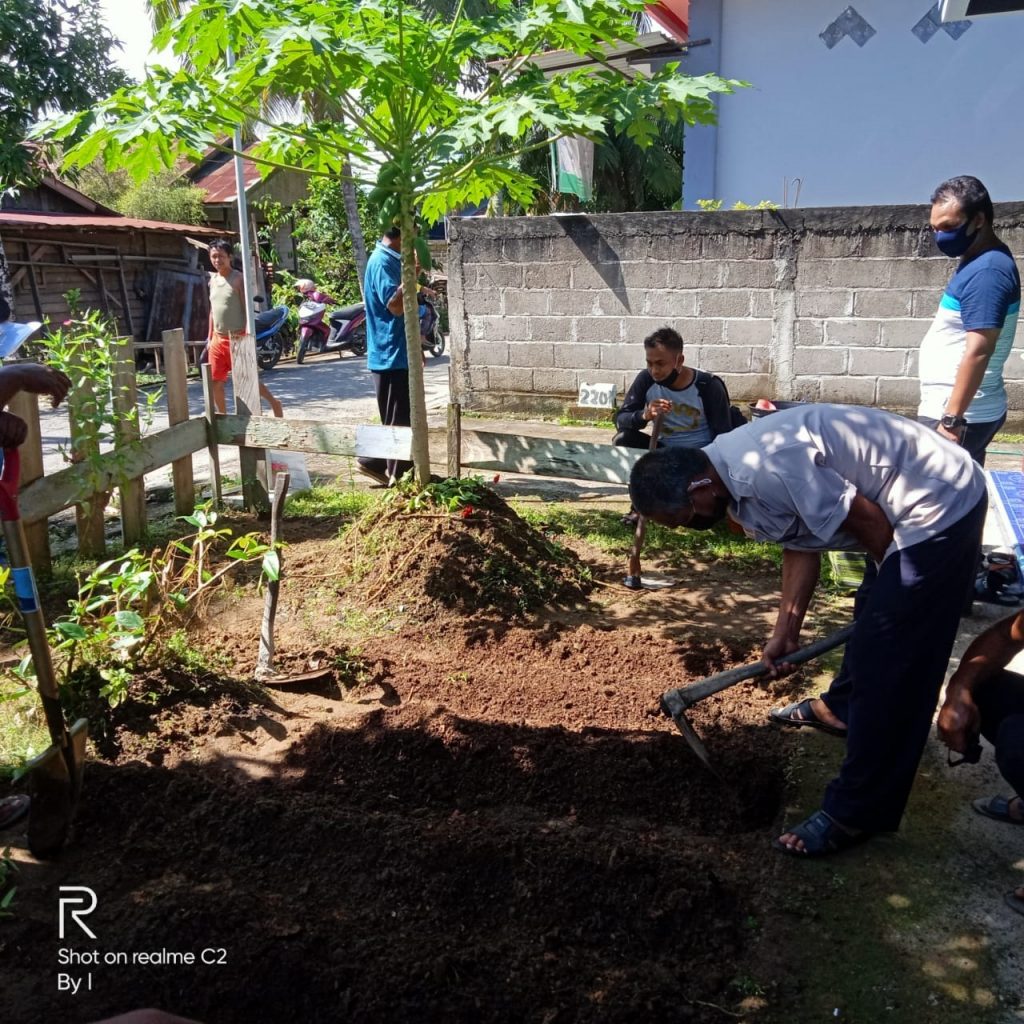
823, 477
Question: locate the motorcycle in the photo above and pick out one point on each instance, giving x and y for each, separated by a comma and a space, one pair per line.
345, 329
431, 338
274, 337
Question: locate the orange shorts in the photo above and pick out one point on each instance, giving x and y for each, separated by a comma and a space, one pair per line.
220, 354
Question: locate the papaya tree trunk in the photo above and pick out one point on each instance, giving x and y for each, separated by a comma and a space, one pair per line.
355, 228
410, 309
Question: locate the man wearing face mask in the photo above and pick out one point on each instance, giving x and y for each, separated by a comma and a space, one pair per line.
962, 355
835, 477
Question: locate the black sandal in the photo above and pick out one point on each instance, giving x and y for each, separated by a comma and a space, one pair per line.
822, 836
801, 715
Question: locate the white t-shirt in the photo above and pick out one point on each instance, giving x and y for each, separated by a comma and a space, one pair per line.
793, 475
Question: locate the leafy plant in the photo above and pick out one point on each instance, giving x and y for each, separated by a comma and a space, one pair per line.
7, 890
450, 495
116, 619
713, 205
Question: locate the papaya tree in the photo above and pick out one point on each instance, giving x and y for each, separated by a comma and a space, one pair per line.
406, 124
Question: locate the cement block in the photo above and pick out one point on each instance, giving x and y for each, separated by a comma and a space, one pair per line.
578, 357
815, 246
522, 300
900, 243
904, 333
877, 362
628, 302
510, 378
547, 276
816, 361
497, 275
481, 250
725, 302
851, 333
761, 361
823, 303
852, 273
1013, 369
640, 276
762, 303
697, 273
607, 276
556, 382
913, 361
528, 251
748, 274
701, 331
748, 387
738, 247
499, 328
672, 303
881, 302
531, 354
623, 357
673, 248
1015, 394
488, 353
558, 329
479, 379
566, 302
726, 358
922, 273
482, 300
810, 333
926, 302
748, 332
599, 330
898, 393
846, 390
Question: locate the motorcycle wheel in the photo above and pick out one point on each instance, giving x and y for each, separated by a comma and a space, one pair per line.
437, 348
358, 345
301, 354
268, 358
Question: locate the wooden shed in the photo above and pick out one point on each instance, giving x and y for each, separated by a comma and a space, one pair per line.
148, 276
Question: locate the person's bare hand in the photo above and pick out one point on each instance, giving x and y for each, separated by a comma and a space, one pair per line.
38, 380
658, 407
13, 430
959, 721
774, 656
956, 436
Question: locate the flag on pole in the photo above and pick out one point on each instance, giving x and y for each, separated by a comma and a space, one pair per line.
576, 166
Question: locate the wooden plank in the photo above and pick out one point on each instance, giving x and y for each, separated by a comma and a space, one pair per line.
545, 456
454, 440
384, 443
37, 535
210, 425
176, 368
288, 434
92, 499
50, 494
246, 387
127, 434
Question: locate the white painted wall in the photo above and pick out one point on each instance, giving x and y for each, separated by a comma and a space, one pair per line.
882, 123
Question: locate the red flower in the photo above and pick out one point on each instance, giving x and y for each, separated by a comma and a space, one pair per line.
497, 477
466, 512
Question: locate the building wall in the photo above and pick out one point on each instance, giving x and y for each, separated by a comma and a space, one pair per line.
879, 123
827, 305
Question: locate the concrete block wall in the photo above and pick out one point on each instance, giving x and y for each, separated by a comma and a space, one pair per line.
827, 305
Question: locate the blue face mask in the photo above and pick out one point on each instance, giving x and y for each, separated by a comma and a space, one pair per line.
955, 243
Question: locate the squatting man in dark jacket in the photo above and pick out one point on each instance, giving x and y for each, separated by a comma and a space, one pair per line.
823, 477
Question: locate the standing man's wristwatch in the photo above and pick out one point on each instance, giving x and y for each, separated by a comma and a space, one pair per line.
952, 422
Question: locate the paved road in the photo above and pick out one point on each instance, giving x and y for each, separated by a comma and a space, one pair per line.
324, 388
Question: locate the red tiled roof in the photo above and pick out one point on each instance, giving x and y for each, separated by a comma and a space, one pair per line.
21, 219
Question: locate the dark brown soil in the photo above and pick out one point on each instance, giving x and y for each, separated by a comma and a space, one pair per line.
495, 824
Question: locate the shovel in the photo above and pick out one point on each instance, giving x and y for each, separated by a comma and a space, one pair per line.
55, 774
634, 579
675, 703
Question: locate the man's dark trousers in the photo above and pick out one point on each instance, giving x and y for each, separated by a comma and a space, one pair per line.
392, 388
1001, 703
906, 623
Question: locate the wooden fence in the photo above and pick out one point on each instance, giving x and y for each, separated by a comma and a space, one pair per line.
81, 486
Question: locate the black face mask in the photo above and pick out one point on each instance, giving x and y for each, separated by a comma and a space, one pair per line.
668, 381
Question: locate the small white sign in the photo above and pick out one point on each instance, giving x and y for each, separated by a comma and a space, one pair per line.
597, 396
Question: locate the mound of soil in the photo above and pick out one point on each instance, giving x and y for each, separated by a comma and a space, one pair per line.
482, 559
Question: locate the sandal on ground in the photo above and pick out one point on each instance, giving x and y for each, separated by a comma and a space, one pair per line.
13, 809
822, 836
800, 715
1013, 901
998, 808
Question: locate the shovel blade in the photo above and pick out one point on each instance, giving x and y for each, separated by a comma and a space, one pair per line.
49, 817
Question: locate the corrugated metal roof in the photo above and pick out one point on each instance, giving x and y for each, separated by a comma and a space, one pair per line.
36, 221
219, 184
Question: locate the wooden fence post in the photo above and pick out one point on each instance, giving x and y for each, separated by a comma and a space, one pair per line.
176, 370
37, 535
454, 440
92, 541
246, 386
126, 435
211, 434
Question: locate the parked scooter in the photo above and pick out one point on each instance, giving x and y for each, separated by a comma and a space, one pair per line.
274, 337
345, 330
431, 338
